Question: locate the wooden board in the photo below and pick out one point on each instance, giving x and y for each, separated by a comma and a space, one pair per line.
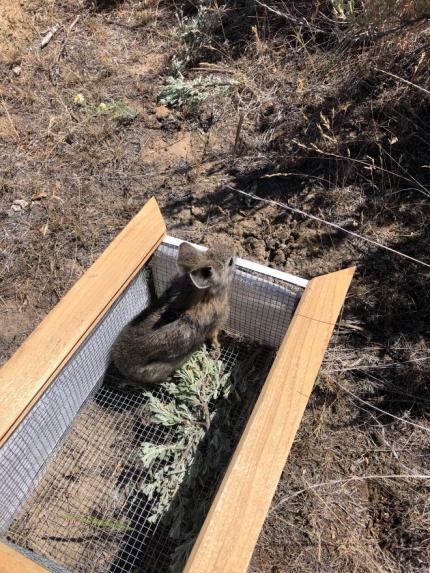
34, 365
12, 561
230, 532
320, 300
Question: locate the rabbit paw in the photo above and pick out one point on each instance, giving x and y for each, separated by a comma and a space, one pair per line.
213, 339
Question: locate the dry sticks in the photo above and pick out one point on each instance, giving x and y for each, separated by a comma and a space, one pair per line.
345, 481
403, 80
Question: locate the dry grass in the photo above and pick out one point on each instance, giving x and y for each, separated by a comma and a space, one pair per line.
333, 124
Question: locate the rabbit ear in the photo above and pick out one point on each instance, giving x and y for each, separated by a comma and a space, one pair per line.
188, 257
202, 278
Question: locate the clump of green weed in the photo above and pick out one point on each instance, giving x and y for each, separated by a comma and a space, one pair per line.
197, 34
95, 522
115, 110
343, 9
200, 381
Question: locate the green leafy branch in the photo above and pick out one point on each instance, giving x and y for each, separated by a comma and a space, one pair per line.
180, 92
200, 410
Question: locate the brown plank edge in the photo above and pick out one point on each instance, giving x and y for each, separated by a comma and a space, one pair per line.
231, 529
12, 561
28, 373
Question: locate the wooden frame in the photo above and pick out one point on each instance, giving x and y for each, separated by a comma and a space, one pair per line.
35, 364
12, 561
229, 534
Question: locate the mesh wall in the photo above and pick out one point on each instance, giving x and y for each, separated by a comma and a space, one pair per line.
25, 453
261, 307
96, 478
70, 484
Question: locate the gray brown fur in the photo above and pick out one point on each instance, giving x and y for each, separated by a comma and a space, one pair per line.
191, 311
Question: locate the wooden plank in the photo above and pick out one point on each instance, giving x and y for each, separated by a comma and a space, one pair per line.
12, 561
321, 296
229, 534
34, 365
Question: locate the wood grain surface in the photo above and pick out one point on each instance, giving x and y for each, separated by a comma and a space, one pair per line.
12, 561
230, 532
34, 365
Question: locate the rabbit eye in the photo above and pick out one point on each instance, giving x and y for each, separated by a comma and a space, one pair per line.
230, 262
206, 272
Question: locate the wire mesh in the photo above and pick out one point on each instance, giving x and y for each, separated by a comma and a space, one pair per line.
261, 306
70, 477
27, 451
88, 513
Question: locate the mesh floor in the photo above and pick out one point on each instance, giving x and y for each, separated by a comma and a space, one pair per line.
70, 477
88, 513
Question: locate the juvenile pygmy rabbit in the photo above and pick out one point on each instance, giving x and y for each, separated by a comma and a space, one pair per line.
190, 311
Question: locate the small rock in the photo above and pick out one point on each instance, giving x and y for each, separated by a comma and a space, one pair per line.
271, 243
279, 258
162, 112
39, 196
257, 248
19, 204
150, 121
16, 70
197, 211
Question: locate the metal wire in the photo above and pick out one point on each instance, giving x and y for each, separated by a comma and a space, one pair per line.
27, 451
70, 476
88, 513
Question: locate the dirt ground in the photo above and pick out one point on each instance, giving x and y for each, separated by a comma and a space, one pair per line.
330, 127
81, 500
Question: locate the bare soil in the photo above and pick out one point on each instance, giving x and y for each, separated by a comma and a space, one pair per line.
81, 500
325, 131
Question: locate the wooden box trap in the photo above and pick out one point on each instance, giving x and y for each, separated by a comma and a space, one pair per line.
75, 486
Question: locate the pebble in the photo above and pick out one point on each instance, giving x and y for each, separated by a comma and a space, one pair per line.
279, 259
21, 203
198, 211
162, 112
18, 206
257, 248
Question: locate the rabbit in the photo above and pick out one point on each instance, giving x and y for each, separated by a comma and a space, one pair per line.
191, 311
